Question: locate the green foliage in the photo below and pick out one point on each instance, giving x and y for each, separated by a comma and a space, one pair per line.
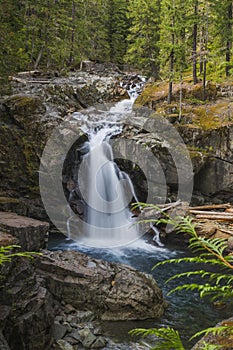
214, 331
168, 338
217, 285
146, 34
118, 27
6, 254
143, 38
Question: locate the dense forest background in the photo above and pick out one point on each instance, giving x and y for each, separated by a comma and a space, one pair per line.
162, 38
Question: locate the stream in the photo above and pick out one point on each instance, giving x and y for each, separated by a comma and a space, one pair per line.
102, 238
186, 311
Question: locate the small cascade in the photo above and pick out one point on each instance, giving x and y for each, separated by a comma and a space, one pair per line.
156, 237
106, 190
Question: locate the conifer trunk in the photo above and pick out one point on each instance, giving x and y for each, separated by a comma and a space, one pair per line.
229, 39
194, 53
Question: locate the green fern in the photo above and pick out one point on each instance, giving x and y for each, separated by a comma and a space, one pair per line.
214, 331
167, 338
6, 254
211, 252
206, 346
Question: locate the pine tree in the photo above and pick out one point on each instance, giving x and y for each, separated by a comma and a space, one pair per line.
223, 32
173, 38
118, 30
143, 50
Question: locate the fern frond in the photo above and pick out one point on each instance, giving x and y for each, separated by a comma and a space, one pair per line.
214, 331
195, 259
168, 338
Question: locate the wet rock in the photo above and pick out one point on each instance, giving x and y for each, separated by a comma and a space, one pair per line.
87, 338
133, 295
59, 331
31, 234
100, 342
64, 345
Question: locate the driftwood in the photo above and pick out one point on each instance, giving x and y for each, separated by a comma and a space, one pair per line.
30, 72
203, 212
24, 81
212, 206
215, 217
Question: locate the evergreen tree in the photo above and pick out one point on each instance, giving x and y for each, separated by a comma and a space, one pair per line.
223, 33
118, 26
173, 38
143, 50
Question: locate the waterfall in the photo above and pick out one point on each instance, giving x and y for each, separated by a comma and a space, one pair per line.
108, 215
106, 190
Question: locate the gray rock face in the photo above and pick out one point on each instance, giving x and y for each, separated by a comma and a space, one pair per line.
27, 306
112, 291
210, 152
37, 105
3, 343
30, 233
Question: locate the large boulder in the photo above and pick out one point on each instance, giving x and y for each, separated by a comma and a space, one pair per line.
112, 291
31, 234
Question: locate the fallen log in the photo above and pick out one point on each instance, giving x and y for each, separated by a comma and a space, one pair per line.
24, 81
30, 72
215, 217
217, 213
212, 206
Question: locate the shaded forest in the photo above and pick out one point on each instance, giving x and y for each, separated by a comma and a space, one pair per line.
162, 38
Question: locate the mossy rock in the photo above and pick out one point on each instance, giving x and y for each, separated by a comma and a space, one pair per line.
198, 91
23, 105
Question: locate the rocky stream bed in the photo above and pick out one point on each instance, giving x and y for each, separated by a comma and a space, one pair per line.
57, 300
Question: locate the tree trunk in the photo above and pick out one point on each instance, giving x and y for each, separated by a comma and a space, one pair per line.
39, 57
194, 53
154, 70
229, 40
172, 62
181, 94
206, 39
71, 60
201, 48
169, 97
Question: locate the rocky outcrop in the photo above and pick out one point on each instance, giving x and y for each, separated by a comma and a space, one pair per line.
112, 291
206, 130
26, 308
57, 299
39, 102
31, 234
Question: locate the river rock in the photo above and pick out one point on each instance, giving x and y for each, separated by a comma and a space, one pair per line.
31, 234
112, 291
223, 339
64, 345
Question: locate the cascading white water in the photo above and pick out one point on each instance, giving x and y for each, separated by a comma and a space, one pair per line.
106, 190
